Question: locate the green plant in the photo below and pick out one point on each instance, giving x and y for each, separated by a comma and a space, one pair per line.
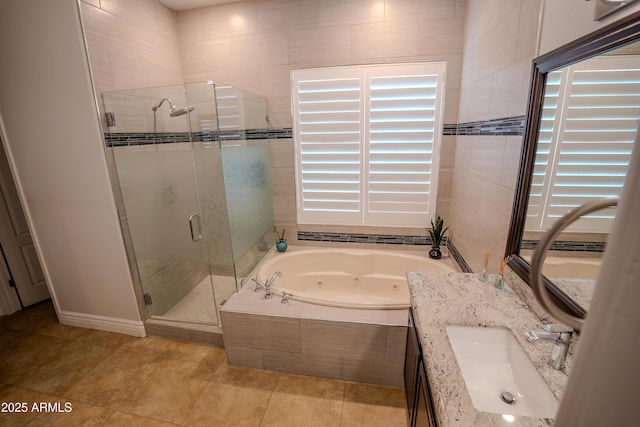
436, 232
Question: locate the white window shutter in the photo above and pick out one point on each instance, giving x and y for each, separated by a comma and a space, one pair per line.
550, 120
404, 125
590, 154
367, 143
328, 133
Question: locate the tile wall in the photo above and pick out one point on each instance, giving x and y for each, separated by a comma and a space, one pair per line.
132, 44
311, 339
254, 45
499, 45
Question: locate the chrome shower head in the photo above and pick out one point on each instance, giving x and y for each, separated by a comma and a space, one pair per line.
172, 108
175, 113
171, 105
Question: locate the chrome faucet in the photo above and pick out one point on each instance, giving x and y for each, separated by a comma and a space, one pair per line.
285, 297
258, 287
561, 337
269, 282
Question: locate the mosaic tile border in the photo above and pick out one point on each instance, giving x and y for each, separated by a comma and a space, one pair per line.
458, 257
503, 126
121, 139
567, 246
381, 239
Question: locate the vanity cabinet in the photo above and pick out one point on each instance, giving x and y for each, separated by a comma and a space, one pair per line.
419, 403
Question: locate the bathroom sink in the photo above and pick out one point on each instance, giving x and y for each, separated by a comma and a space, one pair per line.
496, 370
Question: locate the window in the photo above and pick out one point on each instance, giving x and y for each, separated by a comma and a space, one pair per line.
589, 122
367, 143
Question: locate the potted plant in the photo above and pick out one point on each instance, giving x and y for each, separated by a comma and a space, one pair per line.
436, 233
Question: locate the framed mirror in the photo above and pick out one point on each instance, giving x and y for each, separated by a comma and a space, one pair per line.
582, 117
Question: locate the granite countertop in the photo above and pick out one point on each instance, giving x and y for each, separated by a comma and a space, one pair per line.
440, 299
580, 290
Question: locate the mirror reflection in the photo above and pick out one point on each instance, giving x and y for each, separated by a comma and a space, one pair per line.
587, 129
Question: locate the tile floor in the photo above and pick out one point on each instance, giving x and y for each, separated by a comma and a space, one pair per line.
118, 380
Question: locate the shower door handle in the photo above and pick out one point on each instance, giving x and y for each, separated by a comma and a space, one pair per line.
195, 238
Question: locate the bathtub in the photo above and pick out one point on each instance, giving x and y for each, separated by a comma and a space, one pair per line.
577, 268
555, 267
348, 278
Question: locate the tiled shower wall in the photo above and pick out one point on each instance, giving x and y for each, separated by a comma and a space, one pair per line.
499, 46
132, 44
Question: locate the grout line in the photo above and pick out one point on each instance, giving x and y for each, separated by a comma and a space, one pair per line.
266, 408
344, 395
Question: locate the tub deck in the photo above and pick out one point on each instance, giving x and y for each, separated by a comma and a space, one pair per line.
309, 339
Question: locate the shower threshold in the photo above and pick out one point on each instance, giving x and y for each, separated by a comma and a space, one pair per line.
196, 313
185, 331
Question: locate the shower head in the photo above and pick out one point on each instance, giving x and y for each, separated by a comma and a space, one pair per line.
172, 108
175, 113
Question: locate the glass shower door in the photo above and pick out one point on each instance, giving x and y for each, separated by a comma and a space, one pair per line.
158, 186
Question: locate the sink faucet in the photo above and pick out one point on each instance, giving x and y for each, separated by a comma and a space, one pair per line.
561, 337
269, 282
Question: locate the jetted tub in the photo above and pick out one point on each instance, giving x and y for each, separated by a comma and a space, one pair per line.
349, 278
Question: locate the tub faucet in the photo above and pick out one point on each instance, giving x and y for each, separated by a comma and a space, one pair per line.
269, 282
561, 337
285, 297
258, 287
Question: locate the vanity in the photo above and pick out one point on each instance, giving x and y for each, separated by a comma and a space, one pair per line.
595, 122
436, 390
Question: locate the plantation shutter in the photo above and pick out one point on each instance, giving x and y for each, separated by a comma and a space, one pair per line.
403, 121
328, 132
586, 140
367, 143
549, 120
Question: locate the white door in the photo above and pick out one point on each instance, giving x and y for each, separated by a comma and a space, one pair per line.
17, 247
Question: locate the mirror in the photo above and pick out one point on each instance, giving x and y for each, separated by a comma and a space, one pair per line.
582, 117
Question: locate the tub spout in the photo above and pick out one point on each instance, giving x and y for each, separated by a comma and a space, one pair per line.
269, 282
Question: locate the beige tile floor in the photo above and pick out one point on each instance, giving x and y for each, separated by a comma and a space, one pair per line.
117, 380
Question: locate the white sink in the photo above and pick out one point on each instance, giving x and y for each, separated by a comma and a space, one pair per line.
492, 362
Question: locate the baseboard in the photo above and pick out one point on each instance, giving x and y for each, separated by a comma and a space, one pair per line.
102, 323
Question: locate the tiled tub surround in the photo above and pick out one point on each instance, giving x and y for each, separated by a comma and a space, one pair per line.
300, 338
440, 299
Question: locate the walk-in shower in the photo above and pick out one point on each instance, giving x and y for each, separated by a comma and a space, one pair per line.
193, 190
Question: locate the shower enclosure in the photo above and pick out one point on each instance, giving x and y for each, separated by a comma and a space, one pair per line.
190, 171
